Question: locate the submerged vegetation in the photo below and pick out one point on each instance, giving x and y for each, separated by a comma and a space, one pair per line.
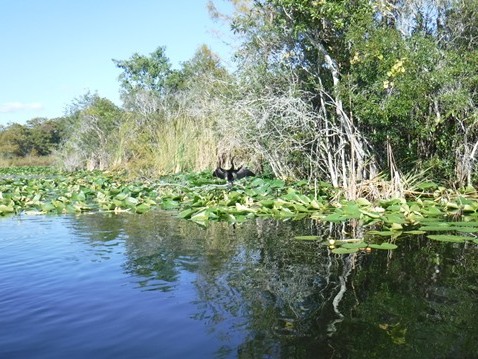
438, 213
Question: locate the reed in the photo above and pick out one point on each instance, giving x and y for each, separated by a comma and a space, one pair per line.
176, 145
185, 145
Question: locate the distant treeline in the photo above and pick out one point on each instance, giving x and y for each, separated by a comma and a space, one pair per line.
350, 93
38, 137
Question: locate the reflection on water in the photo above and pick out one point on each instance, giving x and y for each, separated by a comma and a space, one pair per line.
153, 286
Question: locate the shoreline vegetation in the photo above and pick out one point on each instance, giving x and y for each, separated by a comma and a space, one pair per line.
28, 161
438, 213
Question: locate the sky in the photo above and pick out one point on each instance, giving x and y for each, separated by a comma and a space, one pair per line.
54, 51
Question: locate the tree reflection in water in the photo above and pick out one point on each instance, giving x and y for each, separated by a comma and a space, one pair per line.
295, 299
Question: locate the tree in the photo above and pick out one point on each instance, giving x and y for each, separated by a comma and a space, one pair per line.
293, 53
93, 128
386, 76
44, 135
144, 74
14, 141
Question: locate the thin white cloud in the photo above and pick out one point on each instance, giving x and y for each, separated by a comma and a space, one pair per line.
10, 107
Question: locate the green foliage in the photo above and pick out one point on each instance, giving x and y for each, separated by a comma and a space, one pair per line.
14, 141
391, 66
145, 73
174, 130
45, 135
91, 134
39, 137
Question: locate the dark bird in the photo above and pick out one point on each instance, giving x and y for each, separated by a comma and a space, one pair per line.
232, 174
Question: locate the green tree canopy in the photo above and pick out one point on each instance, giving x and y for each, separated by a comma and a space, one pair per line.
39, 136
145, 73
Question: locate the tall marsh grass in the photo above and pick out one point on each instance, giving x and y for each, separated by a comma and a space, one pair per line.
179, 144
186, 144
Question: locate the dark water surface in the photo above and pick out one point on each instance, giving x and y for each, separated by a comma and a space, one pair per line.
153, 286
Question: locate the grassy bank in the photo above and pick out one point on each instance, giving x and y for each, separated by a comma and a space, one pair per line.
28, 161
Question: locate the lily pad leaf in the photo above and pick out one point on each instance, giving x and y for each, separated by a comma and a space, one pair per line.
121, 196
466, 229
131, 201
394, 218
396, 226
449, 238
450, 227
432, 211
342, 250
169, 204
382, 233
315, 204
384, 245
466, 224
360, 244
363, 201
186, 213
142, 208
370, 213
6, 209
438, 227
267, 203
307, 238
417, 231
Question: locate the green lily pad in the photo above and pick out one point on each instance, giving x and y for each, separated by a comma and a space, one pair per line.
307, 238
396, 226
394, 218
169, 204
363, 202
342, 250
121, 196
186, 213
267, 203
415, 232
449, 227
370, 213
449, 238
47, 207
466, 229
432, 211
466, 224
142, 208
382, 233
383, 245
349, 245
435, 228
131, 201
6, 209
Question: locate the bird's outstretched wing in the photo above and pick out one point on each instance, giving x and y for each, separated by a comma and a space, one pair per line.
243, 172
219, 173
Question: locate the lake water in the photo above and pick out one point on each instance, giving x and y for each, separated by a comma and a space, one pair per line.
152, 286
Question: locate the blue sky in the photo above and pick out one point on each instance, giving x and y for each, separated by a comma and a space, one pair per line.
53, 51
